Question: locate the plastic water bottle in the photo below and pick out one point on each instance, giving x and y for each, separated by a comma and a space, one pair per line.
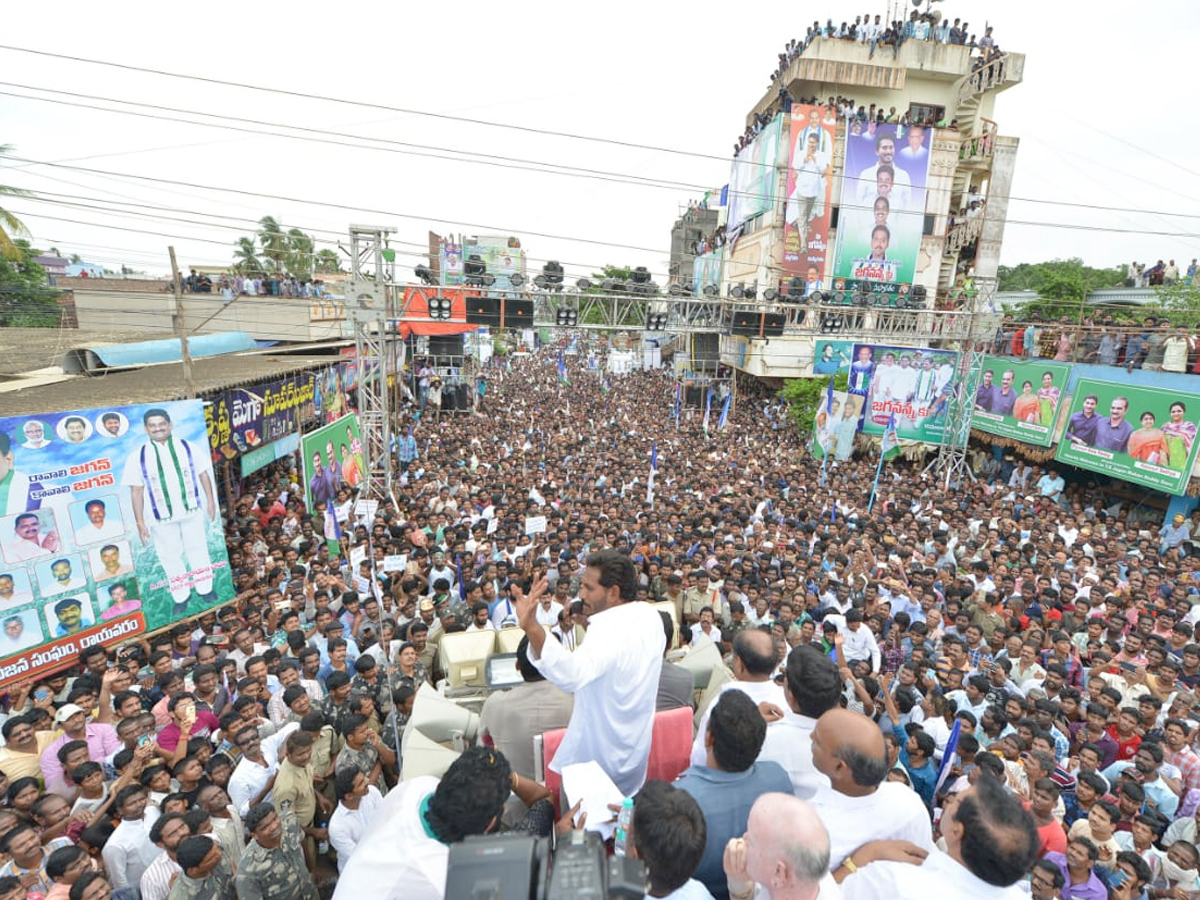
621, 841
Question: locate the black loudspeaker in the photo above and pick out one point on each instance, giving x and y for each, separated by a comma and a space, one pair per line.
483, 310
445, 345
518, 313
449, 399
751, 324
746, 323
773, 324
463, 393
706, 350
693, 396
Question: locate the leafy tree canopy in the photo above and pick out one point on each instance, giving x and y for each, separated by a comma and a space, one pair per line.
26, 298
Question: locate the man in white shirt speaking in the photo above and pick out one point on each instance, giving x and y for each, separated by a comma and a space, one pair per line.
613, 674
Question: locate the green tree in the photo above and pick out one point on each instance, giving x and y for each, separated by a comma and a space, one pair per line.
1179, 303
274, 243
1062, 285
245, 257
26, 298
299, 257
622, 274
10, 226
327, 261
803, 397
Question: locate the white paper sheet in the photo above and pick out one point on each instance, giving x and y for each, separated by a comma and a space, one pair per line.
588, 782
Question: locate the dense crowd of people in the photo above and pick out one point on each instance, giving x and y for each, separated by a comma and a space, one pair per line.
973, 691
239, 285
873, 31
1127, 340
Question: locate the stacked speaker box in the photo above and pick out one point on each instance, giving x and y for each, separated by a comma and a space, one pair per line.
445, 345
706, 350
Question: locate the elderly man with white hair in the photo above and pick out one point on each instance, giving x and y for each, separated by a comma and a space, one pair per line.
784, 854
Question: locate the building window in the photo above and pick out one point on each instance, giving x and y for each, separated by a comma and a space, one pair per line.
920, 114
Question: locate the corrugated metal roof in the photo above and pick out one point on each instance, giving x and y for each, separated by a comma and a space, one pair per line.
134, 354
32, 349
163, 382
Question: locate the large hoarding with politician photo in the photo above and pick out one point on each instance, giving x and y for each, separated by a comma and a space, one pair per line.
813, 140
1143, 435
1019, 400
913, 383
109, 527
752, 177
333, 461
882, 210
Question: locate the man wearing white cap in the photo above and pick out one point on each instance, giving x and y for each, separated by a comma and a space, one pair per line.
101, 739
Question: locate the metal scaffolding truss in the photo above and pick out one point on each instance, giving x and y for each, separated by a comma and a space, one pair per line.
613, 311
369, 304
951, 465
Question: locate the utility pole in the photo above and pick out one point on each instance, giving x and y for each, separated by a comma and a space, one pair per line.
189, 385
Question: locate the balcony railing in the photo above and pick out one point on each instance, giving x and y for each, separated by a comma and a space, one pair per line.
978, 148
963, 235
985, 78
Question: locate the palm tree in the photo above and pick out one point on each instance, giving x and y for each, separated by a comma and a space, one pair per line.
274, 242
10, 225
300, 253
328, 261
245, 256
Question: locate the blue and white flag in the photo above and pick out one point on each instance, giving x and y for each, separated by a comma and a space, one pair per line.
723, 419
948, 756
653, 469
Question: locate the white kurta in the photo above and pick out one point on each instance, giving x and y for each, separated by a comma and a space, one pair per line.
757, 691
938, 876
789, 743
397, 858
347, 827
614, 677
893, 813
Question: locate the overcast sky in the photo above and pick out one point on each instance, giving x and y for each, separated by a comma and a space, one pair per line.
1106, 116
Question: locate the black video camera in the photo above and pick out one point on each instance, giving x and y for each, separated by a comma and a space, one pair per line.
524, 867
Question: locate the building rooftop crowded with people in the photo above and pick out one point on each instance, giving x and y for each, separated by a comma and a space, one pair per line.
814, 667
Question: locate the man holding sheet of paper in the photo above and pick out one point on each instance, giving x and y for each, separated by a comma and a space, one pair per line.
613, 674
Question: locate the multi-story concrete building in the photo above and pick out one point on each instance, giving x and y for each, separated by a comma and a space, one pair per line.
946, 86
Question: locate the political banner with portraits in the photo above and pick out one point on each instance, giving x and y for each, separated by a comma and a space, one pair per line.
244, 419
914, 383
333, 461
1143, 435
109, 527
836, 424
1019, 399
752, 178
706, 270
882, 210
809, 206
832, 357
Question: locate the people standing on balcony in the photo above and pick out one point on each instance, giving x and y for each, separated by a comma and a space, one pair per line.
1176, 349
1029, 339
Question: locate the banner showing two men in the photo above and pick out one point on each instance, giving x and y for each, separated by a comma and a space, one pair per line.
333, 462
1143, 435
882, 210
109, 526
809, 195
1019, 400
